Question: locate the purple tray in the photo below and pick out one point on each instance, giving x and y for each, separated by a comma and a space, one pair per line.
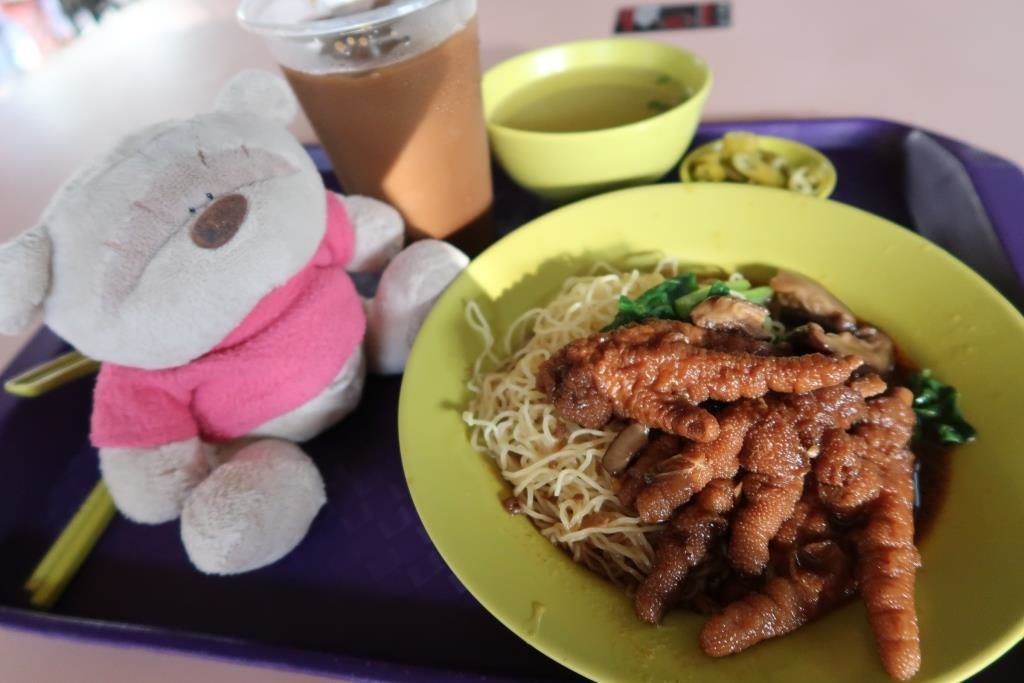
366, 596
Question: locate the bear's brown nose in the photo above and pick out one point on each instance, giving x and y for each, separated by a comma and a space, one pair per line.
220, 221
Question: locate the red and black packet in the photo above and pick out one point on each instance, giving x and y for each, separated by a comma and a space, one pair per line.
672, 17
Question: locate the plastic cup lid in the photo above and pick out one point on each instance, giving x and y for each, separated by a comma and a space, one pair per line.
291, 18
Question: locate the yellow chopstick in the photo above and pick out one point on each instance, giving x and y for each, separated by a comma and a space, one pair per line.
72, 529
50, 375
69, 551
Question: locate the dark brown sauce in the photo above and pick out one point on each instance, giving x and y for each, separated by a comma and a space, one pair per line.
931, 482
932, 462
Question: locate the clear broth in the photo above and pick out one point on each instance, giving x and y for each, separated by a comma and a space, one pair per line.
591, 99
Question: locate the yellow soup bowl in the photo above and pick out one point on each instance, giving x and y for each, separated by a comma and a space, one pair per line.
794, 153
970, 602
565, 165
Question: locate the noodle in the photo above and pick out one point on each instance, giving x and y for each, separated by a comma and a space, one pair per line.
554, 468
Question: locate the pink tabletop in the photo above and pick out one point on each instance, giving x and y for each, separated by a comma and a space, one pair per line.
941, 64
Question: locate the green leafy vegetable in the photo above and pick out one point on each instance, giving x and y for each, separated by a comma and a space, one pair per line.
759, 295
656, 302
938, 410
685, 304
719, 288
741, 288
674, 298
738, 284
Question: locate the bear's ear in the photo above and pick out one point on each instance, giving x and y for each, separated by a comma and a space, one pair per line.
259, 92
24, 278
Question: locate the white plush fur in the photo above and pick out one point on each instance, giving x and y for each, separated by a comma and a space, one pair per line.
379, 236
114, 267
130, 286
325, 409
408, 289
259, 92
149, 485
24, 278
252, 510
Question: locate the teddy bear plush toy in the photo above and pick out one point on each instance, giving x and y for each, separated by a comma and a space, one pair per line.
203, 262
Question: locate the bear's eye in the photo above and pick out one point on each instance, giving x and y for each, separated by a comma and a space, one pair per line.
220, 221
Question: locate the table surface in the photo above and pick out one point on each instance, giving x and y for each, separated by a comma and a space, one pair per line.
942, 65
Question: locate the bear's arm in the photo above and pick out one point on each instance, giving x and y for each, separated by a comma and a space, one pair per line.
377, 230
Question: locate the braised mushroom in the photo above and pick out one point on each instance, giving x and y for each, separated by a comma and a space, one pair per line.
869, 344
622, 449
731, 313
801, 299
513, 505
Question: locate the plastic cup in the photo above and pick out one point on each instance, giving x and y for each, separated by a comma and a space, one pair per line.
392, 89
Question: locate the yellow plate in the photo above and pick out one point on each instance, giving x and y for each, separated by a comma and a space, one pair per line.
970, 597
795, 153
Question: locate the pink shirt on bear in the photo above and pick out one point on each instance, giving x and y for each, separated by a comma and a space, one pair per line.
285, 352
